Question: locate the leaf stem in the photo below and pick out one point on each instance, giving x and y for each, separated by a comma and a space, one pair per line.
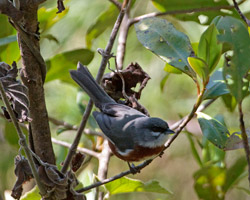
22, 141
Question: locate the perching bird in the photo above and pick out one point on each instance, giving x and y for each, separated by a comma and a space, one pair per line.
132, 135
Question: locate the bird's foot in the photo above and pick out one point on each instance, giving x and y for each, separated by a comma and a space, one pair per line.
133, 168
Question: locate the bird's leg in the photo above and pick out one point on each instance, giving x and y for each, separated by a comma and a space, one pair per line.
133, 168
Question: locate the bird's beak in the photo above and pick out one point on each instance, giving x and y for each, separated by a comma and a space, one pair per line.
170, 131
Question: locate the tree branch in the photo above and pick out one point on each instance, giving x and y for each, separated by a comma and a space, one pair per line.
155, 14
80, 149
105, 59
116, 3
240, 13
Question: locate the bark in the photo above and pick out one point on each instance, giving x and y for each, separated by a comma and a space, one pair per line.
32, 76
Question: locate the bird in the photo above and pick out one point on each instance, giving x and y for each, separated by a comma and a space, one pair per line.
132, 136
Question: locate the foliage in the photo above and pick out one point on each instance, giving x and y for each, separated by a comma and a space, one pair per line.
218, 65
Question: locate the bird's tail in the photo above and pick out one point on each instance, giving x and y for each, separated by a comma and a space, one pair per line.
83, 77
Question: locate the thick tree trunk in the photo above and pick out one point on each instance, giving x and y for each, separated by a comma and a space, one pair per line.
32, 75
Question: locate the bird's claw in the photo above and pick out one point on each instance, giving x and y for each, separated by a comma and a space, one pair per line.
133, 168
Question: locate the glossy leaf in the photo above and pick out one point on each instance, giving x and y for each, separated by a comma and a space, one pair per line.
125, 184
173, 5
200, 67
170, 69
105, 20
209, 49
59, 66
216, 86
161, 37
235, 33
213, 130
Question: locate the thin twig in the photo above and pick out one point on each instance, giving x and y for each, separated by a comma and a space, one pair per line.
155, 14
22, 141
80, 149
116, 3
103, 165
97, 184
69, 126
101, 70
244, 138
240, 13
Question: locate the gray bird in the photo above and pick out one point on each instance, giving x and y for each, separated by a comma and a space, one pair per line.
132, 135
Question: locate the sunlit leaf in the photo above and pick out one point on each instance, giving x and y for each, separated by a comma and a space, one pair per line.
48, 17
170, 69
33, 194
171, 45
125, 184
59, 66
200, 67
232, 31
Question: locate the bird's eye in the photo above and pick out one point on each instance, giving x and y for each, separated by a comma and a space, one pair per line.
158, 129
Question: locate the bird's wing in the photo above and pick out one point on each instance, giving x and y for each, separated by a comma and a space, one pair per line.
113, 129
120, 110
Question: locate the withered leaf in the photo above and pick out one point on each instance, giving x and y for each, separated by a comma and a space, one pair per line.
77, 161
15, 91
23, 173
132, 75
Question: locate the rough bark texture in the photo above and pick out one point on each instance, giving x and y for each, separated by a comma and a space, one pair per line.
32, 78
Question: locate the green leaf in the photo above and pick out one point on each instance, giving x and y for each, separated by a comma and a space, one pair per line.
10, 134
48, 17
194, 150
229, 101
209, 181
234, 172
209, 50
163, 81
7, 40
173, 5
10, 53
161, 37
216, 86
170, 69
105, 20
232, 31
125, 184
33, 194
213, 130
200, 67
59, 66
